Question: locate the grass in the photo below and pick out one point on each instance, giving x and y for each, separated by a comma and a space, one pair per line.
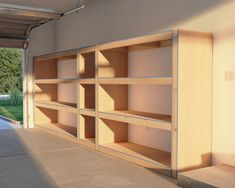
12, 112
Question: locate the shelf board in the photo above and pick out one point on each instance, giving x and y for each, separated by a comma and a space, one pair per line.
69, 107
145, 81
87, 81
89, 142
61, 130
135, 41
88, 112
142, 155
55, 81
68, 54
153, 120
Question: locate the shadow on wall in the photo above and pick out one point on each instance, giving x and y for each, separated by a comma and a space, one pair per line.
130, 18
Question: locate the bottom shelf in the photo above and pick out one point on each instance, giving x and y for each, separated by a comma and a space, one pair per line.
61, 130
148, 157
89, 142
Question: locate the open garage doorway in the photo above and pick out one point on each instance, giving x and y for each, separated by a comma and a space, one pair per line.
11, 88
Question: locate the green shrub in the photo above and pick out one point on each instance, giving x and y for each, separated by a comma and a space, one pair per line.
15, 97
5, 102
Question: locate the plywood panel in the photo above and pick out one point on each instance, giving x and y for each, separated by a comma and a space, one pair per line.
194, 100
112, 131
45, 92
45, 69
113, 97
112, 63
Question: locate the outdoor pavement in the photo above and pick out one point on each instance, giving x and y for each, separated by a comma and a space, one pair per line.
32, 158
5, 124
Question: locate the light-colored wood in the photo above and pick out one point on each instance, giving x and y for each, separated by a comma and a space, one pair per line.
87, 65
88, 112
45, 92
113, 97
61, 130
139, 40
88, 49
69, 107
194, 100
87, 81
87, 127
112, 63
69, 54
89, 142
55, 81
87, 96
112, 131
140, 81
45, 69
148, 157
174, 133
146, 119
44, 115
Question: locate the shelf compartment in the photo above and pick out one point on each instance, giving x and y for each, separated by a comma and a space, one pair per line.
125, 81
87, 81
69, 107
59, 129
87, 65
88, 112
153, 120
114, 140
87, 131
87, 96
55, 81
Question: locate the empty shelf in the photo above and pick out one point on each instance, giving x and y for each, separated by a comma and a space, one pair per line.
146, 156
55, 81
88, 112
58, 129
87, 81
139, 118
70, 107
145, 81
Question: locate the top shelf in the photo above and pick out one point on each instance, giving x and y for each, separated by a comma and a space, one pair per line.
55, 81
124, 81
68, 54
136, 41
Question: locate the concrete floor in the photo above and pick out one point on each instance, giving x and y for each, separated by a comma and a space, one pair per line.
35, 159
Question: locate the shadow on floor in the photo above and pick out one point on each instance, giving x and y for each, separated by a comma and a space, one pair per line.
31, 158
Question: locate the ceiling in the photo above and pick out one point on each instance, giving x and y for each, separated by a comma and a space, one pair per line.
62, 5
19, 17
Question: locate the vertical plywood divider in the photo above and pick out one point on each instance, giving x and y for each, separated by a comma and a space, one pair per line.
194, 99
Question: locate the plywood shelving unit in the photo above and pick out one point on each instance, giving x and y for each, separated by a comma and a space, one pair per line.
146, 100
50, 78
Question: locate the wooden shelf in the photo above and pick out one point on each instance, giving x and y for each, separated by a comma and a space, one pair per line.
146, 156
157, 81
69, 107
89, 142
153, 120
68, 54
59, 129
88, 112
55, 81
87, 81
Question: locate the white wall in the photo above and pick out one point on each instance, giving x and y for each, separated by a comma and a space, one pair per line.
224, 97
105, 20
41, 41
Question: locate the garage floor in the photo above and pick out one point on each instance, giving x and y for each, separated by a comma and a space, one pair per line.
34, 158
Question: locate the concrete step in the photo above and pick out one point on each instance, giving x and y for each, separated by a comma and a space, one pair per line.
214, 176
